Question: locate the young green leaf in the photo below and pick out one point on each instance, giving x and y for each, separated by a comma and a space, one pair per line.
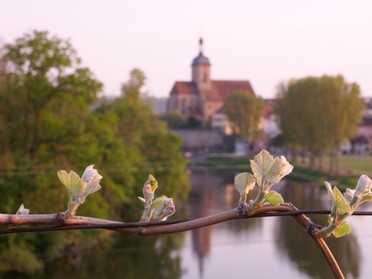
332, 196
153, 182
267, 168
162, 208
71, 181
244, 182
261, 166
274, 198
329, 189
365, 197
340, 202
341, 230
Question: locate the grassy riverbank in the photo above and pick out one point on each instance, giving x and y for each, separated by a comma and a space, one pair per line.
351, 167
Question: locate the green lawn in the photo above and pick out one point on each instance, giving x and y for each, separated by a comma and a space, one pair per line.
349, 165
357, 164
352, 164
351, 168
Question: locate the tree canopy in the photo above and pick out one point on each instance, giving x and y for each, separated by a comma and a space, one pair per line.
52, 118
245, 113
318, 114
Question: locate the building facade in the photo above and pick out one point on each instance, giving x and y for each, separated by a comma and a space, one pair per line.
202, 97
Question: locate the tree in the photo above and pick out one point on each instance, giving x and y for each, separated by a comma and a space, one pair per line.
176, 120
318, 114
45, 112
50, 92
245, 113
50, 119
155, 148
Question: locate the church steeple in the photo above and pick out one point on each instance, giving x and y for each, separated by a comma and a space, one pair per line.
201, 68
201, 45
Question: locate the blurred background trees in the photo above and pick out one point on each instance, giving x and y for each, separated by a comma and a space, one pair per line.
245, 113
51, 118
318, 114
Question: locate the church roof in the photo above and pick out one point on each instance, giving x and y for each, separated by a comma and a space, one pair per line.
184, 87
200, 60
218, 91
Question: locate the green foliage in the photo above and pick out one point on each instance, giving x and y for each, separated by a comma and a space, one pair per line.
79, 188
344, 205
155, 210
341, 230
21, 257
318, 114
51, 118
274, 198
267, 171
244, 182
244, 112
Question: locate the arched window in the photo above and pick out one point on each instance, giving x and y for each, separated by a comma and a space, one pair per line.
205, 78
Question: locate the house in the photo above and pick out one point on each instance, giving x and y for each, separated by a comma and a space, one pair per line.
202, 97
220, 122
362, 143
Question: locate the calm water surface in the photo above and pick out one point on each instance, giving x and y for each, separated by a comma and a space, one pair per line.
272, 247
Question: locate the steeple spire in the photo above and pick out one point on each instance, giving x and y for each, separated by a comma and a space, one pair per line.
200, 68
201, 45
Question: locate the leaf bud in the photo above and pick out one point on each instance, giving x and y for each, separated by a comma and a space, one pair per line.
364, 186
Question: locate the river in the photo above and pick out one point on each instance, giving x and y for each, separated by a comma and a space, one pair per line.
271, 247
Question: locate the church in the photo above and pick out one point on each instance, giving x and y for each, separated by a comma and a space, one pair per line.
203, 97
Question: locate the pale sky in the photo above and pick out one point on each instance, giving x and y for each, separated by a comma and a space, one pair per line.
265, 42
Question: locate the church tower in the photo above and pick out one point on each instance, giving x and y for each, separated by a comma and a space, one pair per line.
201, 69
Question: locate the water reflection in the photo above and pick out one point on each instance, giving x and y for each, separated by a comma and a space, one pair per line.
300, 248
295, 255
254, 248
129, 257
202, 202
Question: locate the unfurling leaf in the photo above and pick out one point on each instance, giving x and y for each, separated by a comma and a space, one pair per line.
244, 182
71, 181
261, 166
364, 186
159, 209
153, 182
365, 197
329, 189
79, 188
349, 195
149, 188
332, 196
266, 168
274, 198
22, 210
141, 199
341, 203
92, 179
341, 230
162, 208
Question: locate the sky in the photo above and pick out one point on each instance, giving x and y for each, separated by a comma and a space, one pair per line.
265, 42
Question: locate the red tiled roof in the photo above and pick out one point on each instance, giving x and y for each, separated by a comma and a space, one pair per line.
269, 108
220, 89
184, 87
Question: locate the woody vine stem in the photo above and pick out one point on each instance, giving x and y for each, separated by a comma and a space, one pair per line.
266, 172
